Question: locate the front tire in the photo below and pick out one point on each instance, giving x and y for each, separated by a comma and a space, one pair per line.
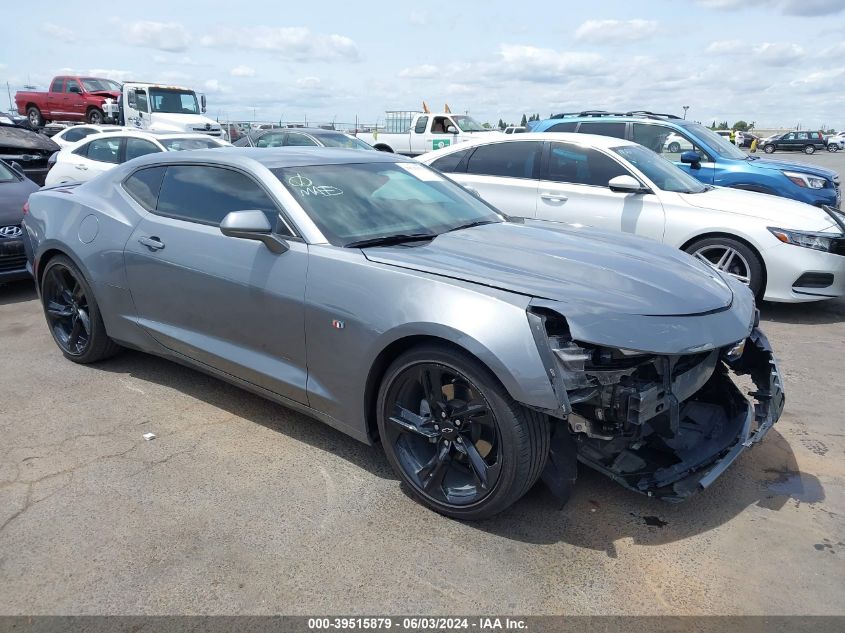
809, 149
95, 116
733, 257
833, 148
72, 313
454, 435
769, 149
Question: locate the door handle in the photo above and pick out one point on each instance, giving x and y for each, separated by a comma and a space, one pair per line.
152, 243
554, 197
81, 166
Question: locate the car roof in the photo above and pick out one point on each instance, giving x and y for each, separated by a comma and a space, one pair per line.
597, 116
156, 136
275, 157
313, 131
591, 140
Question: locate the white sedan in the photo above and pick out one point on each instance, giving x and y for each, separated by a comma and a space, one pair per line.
74, 133
785, 250
99, 153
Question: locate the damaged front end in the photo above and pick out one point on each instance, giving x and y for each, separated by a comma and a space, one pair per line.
662, 424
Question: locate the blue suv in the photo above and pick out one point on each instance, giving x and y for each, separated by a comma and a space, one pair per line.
704, 154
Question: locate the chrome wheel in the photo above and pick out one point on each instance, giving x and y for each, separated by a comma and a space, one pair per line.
443, 434
66, 307
727, 260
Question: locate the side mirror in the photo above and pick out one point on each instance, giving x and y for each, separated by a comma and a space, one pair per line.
202, 102
16, 166
692, 158
252, 225
74, 89
452, 129
626, 184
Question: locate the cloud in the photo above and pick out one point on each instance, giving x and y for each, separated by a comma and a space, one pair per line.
109, 73
767, 53
292, 43
424, 71
419, 18
184, 60
242, 71
726, 47
615, 31
58, 32
214, 86
803, 8
171, 37
543, 64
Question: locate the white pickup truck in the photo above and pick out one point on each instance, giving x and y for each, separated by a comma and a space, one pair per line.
161, 108
415, 133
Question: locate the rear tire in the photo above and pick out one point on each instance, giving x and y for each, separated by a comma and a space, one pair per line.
769, 149
72, 313
442, 417
809, 149
95, 116
34, 116
737, 260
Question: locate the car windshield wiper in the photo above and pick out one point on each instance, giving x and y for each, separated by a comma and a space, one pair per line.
387, 240
469, 225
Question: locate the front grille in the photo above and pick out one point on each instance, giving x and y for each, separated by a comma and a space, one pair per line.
8, 264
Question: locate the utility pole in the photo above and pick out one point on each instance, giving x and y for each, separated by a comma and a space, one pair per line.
685, 110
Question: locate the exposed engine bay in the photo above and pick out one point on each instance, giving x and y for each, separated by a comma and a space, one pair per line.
662, 425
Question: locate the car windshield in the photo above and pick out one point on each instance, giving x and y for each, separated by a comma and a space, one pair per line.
181, 144
722, 147
342, 140
468, 124
95, 84
362, 201
664, 174
174, 101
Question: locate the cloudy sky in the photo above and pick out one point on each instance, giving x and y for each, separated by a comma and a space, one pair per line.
775, 62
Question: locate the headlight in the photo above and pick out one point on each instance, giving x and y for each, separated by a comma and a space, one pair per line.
816, 241
806, 180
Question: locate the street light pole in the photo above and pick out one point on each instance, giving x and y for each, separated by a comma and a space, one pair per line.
685, 111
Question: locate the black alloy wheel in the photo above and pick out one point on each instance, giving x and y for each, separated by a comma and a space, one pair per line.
452, 433
72, 313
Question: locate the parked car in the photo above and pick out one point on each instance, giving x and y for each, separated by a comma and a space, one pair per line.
14, 191
718, 161
807, 142
675, 144
70, 98
835, 142
99, 153
27, 148
783, 249
302, 137
74, 133
414, 133
482, 352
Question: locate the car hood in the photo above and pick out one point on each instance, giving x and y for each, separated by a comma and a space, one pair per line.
13, 195
114, 94
19, 138
179, 122
548, 260
776, 211
780, 165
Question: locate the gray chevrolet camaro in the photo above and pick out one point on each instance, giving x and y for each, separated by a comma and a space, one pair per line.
374, 294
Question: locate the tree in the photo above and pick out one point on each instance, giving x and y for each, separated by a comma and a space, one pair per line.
486, 126
524, 121
723, 126
741, 125
502, 124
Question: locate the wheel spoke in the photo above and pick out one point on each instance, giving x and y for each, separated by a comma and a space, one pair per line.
479, 467
471, 409
410, 422
431, 379
58, 310
85, 321
726, 259
73, 339
431, 475
77, 292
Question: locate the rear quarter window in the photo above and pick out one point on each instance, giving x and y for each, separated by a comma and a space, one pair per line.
144, 186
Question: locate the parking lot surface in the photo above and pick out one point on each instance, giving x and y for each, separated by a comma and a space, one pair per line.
241, 506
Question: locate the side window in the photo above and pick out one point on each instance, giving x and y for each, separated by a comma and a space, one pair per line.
666, 141
441, 124
450, 162
138, 100
301, 140
144, 186
603, 128
419, 128
789, 137
56, 86
582, 166
514, 160
206, 194
104, 150
72, 83
802, 136
76, 134
568, 126
271, 139
136, 147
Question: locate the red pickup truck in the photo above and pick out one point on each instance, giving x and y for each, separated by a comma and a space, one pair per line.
70, 98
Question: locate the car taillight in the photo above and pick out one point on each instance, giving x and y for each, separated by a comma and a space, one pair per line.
26, 207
